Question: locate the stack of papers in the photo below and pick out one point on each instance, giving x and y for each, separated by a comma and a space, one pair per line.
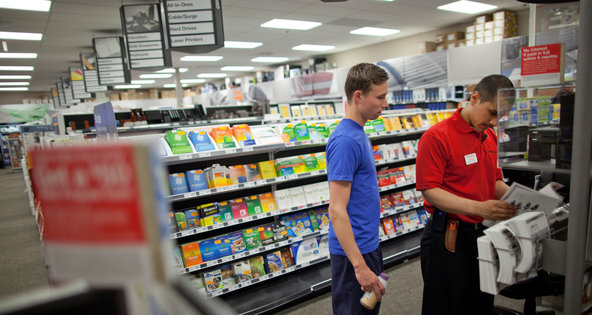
529, 228
506, 246
488, 266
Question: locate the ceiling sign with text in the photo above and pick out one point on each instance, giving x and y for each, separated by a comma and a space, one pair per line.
78, 87
194, 26
144, 40
111, 64
541, 65
91, 76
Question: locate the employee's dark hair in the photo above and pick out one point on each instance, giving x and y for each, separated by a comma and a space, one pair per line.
361, 77
489, 86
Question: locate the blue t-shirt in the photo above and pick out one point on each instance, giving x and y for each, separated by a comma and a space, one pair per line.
350, 158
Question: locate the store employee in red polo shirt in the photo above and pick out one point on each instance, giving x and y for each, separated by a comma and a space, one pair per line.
458, 175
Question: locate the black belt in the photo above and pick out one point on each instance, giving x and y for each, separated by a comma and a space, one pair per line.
471, 226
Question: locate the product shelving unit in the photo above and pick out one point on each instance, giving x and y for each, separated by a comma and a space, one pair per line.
309, 280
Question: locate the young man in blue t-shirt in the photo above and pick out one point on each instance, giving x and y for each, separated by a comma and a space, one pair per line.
354, 209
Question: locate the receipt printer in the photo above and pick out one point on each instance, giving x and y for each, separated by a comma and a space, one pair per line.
541, 143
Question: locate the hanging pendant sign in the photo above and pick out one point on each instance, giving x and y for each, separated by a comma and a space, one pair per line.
144, 40
55, 98
194, 26
61, 96
78, 88
111, 65
69, 96
91, 76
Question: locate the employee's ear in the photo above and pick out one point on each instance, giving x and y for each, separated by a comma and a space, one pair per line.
475, 98
357, 95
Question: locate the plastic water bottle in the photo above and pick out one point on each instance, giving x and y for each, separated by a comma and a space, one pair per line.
369, 299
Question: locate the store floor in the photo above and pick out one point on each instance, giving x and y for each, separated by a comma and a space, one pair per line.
22, 266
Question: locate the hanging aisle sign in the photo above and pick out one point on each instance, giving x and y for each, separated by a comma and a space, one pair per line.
542, 65
143, 36
78, 88
111, 65
61, 96
55, 98
67, 86
91, 76
194, 26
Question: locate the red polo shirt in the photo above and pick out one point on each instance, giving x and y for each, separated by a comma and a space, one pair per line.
457, 158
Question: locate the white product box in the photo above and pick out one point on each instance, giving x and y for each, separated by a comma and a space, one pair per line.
297, 196
310, 193
489, 25
283, 199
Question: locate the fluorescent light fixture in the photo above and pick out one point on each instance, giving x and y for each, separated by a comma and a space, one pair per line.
172, 70
211, 75
143, 81
14, 83
243, 45
14, 88
21, 36
18, 55
127, 86
290, 24
193, 81
201, 58
374, 31
15, 77
28, 5
172, 85
237, 68
155, 76
17, 68
269, 59
467, 7
306, 47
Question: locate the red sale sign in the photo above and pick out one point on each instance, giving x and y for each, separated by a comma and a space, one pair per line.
542, 64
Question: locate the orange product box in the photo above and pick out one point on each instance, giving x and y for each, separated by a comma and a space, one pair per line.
396, 123
387, 225
267, 202
191, 254
223, 137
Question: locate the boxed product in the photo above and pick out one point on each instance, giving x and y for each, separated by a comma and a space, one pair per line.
295, 109
228, 278
406, 221
224, 245
283, 198
413, 219
242, 134
453, 36
290, 165
192, 217
210, 249
178, 183
197, 180
426, 47
257, 264
280, 232
213, 280
301, 131
284, 110
266, 234
322, 218
267, 169
387, 225
418, 195
209, 214
398, 222
409, 197
265, 135
253, 205
385, 203
310, 193
441, 38
178, 259
242, 270
181, 220
323, 131
201, 141
225, 211
305, 251
237, 242
218, 176
321, 160
252, 238
191, 254
223, 137
297, 197
267, 202
178, 141
274, 261
252, 172
239, 208
310, 162
305, 110
323, 245
321, 110
397, 199
313, 132
297, 224
197, 282
237, 174
312, 110
172, 222
288, 134
287, 260
423, 216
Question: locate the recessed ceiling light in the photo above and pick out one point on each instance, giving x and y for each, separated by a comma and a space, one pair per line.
14, 83
143, 81
211, 75
17, 68
172, 70
467, 7
193, 80
269, 59
290, 24
14, 89
201, 58
127, 86
306, 47
155, 75
21, 36
28, 5
172, 85
182, 70
15, 77
237, 68
244, 45
18, 55
374, 31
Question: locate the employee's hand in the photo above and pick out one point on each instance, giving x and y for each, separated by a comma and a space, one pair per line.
495, 210
369, 281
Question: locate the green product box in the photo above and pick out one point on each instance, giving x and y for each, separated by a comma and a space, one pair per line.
266, 234
311, 163
257, 266
378, 125
178, 142
301, 130
253, 205
333, 126
252, 238
225, 211
322, 131
181, 221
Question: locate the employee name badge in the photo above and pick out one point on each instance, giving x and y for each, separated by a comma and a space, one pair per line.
471, 158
